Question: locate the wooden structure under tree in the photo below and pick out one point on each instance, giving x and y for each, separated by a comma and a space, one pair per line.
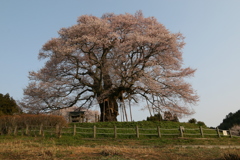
76, 116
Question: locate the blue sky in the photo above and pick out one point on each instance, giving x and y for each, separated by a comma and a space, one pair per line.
211, 28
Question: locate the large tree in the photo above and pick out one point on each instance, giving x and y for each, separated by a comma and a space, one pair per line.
112, 61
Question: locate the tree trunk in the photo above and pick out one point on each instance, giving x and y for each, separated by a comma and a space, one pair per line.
109, 110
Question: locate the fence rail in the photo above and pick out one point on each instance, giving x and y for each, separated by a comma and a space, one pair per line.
115, 132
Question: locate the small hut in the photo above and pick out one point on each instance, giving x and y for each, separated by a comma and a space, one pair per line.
76, 116
71, 114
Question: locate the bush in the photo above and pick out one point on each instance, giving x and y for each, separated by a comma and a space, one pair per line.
231, 157
235, 130
156, 117
22, 120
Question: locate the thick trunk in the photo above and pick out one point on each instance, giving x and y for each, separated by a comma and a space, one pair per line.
108, 102
109, 110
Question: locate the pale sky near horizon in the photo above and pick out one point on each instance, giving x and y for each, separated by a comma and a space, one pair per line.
211, 28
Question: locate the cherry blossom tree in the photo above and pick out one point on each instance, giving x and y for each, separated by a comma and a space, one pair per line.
112, 61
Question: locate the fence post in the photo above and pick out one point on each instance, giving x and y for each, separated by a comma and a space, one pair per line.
15, 131
57, 130
115, 132
60, 131
137, 131
22, 131
94, 131
159, 133
43, 133
230, 133
41, 129
9, 130
218, 133
34, 131
74, 129
201, 131
26, 132
181, 131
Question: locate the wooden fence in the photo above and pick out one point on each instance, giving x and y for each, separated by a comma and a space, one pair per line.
114, 132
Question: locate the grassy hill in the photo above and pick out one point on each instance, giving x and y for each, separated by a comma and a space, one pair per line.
140, 129
142, 124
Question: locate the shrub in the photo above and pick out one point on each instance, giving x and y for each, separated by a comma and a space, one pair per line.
156, 117
235, 130
231, 157
22, 120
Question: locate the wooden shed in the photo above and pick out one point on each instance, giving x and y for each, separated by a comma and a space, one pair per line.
76, 116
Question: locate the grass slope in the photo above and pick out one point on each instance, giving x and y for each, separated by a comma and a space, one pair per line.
143, 124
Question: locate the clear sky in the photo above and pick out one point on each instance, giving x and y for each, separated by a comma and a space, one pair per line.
211, 28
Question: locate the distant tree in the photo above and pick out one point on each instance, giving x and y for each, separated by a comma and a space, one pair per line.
168, 116
200, 123
193, 120
91, 115
175, 118
111, 61
229, 115
230, 120
156, 117
8, 105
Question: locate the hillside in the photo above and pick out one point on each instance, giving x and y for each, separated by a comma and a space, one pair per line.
143, 124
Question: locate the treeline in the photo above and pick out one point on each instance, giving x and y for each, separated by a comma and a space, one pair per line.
231, 120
